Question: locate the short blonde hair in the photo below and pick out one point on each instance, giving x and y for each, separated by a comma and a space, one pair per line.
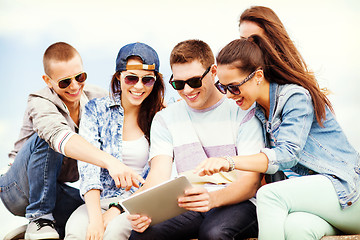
59, 51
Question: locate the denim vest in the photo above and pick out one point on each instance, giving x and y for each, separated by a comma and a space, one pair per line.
301, 144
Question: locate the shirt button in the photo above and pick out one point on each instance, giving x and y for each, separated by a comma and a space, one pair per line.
349, 203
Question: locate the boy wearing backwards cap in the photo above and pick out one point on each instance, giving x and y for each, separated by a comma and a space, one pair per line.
36, 185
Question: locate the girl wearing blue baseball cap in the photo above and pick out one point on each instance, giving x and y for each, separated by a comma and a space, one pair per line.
120, 125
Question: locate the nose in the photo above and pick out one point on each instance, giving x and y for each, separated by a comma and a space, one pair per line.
187, 89
139, 84
74, 84
229, 94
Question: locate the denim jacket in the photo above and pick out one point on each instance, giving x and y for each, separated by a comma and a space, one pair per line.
101, 125
300, 143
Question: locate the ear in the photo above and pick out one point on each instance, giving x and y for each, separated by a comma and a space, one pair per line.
213, 70
259, 74
47, 81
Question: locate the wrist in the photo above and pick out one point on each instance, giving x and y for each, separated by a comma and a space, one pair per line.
118, 206
231, 162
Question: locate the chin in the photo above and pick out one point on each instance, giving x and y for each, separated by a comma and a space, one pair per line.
245, 107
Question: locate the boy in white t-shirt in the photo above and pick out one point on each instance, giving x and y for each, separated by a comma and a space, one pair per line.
205, 124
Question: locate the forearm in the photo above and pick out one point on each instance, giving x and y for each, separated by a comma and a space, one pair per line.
78, 148
160, 171
92, 200
253, 163
242, 189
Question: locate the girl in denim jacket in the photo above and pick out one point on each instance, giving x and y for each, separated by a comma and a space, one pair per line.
120, 126
302, 134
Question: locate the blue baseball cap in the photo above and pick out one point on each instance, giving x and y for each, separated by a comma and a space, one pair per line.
147, 54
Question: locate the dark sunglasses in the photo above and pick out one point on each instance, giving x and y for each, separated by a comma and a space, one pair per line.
194, 82
65, 82
234, 89
132, 79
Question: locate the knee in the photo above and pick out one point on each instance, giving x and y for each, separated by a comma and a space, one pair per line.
265, 193
118, 228
302, 225
76, 226
214, 233
149, 234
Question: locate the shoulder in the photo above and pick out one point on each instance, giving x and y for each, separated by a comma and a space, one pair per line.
93, 91
288, 90
291, 98
236, 113
173, 110
45, 98
100, 103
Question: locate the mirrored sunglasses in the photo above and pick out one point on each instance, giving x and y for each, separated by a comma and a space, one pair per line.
194, 82
65, 82
132, 79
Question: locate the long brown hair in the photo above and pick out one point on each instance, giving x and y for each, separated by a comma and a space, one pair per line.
275, 33
150, 106
255, 52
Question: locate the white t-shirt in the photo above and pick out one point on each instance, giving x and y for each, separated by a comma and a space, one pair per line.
135, 153
190, 136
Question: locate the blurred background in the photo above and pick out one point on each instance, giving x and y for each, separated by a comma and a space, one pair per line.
326, 33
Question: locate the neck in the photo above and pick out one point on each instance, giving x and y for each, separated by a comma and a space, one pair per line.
213, 99
130, 109
74, 110
73, 106
264, 97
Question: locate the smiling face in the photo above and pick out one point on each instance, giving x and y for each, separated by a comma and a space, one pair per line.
134, 95
197, 98
251, 91
61, 69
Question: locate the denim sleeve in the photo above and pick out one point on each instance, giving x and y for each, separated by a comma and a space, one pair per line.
291, 135
89, 173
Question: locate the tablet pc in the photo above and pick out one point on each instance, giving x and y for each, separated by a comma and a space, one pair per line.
159, 202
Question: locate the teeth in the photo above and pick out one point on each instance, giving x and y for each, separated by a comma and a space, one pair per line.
192, 96
74, 93
136, 94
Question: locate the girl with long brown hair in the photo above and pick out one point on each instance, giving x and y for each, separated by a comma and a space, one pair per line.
302, 134
120, 125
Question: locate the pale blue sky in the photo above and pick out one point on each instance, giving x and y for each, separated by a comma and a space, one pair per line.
325, 31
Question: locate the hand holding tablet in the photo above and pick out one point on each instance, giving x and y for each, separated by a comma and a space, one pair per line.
160, 203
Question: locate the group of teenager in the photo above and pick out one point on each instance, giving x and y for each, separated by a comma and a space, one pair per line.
266, 115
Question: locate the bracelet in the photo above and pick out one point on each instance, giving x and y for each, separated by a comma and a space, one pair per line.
118, 206
231, 163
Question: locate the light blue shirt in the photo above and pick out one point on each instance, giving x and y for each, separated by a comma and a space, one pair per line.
102, 126
301, 144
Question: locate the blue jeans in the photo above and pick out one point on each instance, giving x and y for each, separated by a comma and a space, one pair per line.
30, 186
236, 221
